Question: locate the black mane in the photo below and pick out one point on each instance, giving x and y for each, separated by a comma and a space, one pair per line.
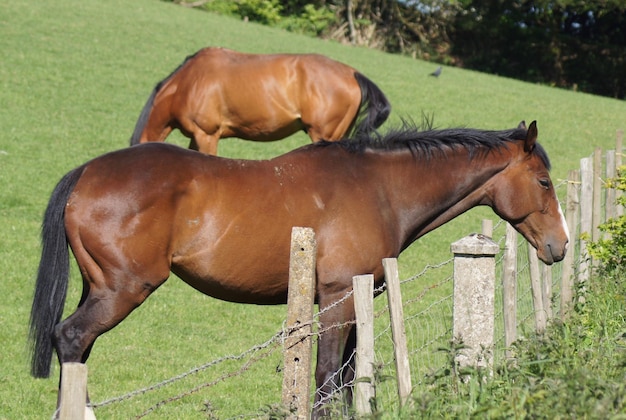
429, 142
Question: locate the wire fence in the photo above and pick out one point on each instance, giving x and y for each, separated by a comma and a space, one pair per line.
427, 302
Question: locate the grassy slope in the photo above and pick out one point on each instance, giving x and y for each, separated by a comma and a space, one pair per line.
73, 78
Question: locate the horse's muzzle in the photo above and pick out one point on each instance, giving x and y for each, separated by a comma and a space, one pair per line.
552, 253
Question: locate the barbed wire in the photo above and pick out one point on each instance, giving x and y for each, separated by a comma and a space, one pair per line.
266, 352
195, 370
278, 337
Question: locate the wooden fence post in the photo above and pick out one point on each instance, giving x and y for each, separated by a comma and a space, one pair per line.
73, 391
546, 290
509, 288
537, 290
398, 332
619, 140
611, 172
586, 209
474, 289
298, 344
597, 194
572, 210
363, 287
487, 228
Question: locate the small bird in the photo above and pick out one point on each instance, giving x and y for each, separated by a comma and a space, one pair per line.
437, 72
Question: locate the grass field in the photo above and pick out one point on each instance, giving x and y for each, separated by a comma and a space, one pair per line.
74, 76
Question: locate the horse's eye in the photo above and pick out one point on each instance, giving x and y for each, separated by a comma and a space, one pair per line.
545, 183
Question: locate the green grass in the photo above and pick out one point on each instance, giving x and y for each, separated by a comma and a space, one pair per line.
74, 76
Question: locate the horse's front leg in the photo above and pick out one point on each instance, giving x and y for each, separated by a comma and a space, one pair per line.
335, 355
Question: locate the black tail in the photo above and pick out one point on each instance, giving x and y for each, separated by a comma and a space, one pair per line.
145, 112
52, 277
375, 107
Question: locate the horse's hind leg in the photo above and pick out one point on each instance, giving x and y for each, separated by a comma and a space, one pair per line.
332, 129
204, 143
99, 311
102, 309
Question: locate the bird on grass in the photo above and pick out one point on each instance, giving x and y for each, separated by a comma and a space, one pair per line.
437, 72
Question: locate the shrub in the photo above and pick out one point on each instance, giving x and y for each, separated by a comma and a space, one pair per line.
611, 251
312, 21
267, 12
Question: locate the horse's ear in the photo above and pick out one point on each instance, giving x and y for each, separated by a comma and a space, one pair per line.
522, 124
531, 137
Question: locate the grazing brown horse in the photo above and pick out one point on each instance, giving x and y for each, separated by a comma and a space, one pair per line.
224, 226
219, 93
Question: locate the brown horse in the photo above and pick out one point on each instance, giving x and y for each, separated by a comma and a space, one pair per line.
224, 226
219, 93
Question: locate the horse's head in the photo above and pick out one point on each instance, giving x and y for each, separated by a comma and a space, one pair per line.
523, 195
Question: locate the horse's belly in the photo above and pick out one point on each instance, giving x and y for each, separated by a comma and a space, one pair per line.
261, 127
236, 283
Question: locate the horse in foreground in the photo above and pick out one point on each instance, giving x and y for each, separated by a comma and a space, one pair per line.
224, 226
219, 93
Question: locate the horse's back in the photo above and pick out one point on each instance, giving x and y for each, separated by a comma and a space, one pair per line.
234, 63
260, 96
239, 78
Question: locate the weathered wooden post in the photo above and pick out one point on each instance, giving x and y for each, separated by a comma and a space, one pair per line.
547, 294
509, 288
572, 210
619, 144
536, 289
487, 228
298, 344
74, 392
363, 287
586, 216
474, 289
597, 195
396, 314
611, 172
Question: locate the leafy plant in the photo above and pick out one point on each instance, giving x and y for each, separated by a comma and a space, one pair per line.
313, 21
266, 12
611, 251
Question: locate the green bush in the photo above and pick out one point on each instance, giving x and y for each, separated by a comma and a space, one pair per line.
306, 20
312, 21
267, 12
611, 251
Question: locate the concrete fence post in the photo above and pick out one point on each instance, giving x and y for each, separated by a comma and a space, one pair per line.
474, 290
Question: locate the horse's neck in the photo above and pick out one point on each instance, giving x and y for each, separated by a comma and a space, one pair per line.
434, 192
